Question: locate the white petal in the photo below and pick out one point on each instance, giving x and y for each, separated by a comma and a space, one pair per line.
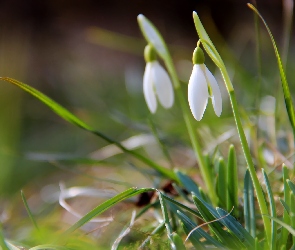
198, 92
148, 89
163, 85
216, 95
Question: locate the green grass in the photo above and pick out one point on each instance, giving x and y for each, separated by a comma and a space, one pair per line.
122, 178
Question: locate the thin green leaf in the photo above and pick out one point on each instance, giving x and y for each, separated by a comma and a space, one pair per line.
222, 183
291, 186
272, 211
197, 234
216, 227
29, 210
159, 229
232, 181
178, 243
165, 216
206, 41
153, 36
285, 85
188, 183
249, 206
292, 216
286, 207
105, 206
180, 205
286, 203
236, 228
71, 118
290, 229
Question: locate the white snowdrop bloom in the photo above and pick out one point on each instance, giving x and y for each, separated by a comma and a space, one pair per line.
156, 84
202, 85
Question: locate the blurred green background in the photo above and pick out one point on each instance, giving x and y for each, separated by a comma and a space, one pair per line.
87, 56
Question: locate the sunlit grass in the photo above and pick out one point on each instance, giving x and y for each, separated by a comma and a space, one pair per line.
115, 176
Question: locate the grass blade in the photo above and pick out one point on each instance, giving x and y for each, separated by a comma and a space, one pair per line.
29, 210
232, 181
222, 183
159, 229
285, 85
197, 234
71, 118
272, 211
166, 217
236, 228
105, 206
249, 206
286, 204
216, 226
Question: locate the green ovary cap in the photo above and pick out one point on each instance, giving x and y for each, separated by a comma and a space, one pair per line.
149, 54
198, 56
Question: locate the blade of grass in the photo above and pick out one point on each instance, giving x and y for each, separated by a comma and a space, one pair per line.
71, 118
286, 217
222, 183
216, 227
197, 234
159, 229
236, 228
290, 229
232, 181
285, 85
166, 217
292, 216
249, 206
29, 210
105, 206
272, 211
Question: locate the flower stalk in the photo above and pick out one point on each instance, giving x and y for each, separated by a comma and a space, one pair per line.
212, 52
154, 38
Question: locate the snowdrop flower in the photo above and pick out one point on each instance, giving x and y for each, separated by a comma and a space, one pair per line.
156, 82
202, 85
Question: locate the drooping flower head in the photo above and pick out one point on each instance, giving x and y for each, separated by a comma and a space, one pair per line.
156, 82
202, 85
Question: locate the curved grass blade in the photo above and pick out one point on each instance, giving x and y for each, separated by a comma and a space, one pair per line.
290, 229
221, 183
232, 181
216, 227
285, 85
29, 210
159, 229
236, 228
197, 234
71, 118
272, 211
105, 206
152, 35
166, 217
249, 206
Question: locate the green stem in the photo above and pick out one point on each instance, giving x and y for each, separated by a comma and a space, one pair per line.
192, 132
247, 154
